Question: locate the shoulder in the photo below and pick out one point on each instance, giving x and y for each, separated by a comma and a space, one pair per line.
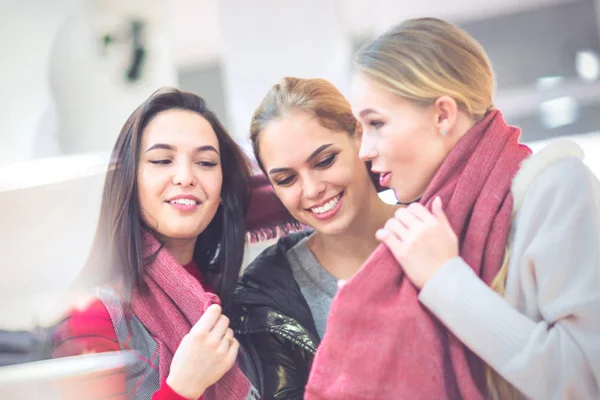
555, 176
567, 182
87, 328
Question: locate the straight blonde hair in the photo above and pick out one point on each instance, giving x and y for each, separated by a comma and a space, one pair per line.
423, 59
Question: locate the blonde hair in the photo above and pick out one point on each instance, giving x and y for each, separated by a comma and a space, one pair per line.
498, 387
424, 59
317, 97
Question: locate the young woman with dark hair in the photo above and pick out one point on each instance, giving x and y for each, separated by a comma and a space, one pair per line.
166, 255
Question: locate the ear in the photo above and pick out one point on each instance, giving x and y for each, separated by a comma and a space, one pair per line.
446, 113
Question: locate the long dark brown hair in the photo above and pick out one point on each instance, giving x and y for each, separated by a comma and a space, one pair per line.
117, 249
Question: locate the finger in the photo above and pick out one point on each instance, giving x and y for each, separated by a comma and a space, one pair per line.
208, 320
438, 211
224, 345
392, 242
233, 352
420, 212
405, 216
220, 329
397, 228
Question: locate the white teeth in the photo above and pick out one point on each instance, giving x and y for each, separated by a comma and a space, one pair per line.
185, 202
327, 206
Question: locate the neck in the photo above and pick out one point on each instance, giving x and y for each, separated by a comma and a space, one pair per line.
181, 249
344, 253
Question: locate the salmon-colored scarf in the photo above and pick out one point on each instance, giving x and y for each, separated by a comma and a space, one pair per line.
381, 343
175, 301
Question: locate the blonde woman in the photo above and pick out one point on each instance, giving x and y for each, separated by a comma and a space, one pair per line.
497, 259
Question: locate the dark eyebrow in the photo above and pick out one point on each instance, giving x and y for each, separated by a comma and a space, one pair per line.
366, 112
308, 160
208, 147
169, 147
317, 152
160, 146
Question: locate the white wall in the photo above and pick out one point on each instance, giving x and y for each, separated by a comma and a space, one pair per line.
61, 94
92, 95
27, 31
49, 210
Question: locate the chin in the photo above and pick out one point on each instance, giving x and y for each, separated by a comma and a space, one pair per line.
181, 233
404, 198
334, 227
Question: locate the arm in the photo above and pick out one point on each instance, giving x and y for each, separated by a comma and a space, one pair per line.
91, 331
553, 351
285, 366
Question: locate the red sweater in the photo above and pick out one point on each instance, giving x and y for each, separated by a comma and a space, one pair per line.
91, 331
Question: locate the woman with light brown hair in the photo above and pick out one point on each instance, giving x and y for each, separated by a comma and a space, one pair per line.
306, 140
496, 260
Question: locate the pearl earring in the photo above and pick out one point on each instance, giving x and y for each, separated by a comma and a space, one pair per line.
443, 131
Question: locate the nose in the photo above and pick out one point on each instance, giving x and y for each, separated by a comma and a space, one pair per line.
368, 150
183, 175
313, 187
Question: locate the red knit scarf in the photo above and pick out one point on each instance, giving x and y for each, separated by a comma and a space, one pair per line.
381, 343
174, 303
267, 218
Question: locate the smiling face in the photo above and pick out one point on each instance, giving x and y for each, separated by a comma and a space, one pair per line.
179, 174
315, 171
401, 139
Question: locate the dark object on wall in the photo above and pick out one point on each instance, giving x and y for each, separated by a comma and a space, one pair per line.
135, 36
139, 51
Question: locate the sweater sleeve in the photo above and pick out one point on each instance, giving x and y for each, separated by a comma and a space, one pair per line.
91, 331
550, 348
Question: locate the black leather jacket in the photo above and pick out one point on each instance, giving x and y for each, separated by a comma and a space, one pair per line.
274, 324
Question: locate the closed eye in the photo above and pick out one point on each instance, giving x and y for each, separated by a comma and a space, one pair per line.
288, 180
161, 162
326, 162
207, 164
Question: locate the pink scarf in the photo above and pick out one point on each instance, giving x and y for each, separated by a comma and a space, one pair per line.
267, 218
380, 342
174, 303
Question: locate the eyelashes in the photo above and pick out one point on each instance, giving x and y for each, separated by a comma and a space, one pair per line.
206, 164
324, 163
376, 124
286, 181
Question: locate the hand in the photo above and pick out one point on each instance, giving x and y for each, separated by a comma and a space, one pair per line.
421, 241
204, 355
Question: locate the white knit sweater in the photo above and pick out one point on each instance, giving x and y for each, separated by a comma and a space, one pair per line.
544, 335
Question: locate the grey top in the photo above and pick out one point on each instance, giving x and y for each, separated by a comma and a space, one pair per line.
317, 285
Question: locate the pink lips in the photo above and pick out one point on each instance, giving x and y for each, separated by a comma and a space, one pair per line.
384, 178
